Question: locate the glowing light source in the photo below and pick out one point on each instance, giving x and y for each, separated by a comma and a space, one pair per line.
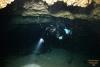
60, 37
38, 46
31, 65
67, 31
41, 40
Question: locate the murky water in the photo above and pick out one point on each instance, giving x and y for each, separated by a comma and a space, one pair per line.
74, 50
55, 58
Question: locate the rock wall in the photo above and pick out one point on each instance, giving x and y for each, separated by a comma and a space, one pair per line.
72, 9
80, 3
61, 9
3, 3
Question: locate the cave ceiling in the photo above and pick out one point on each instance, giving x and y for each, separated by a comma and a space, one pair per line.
71, 9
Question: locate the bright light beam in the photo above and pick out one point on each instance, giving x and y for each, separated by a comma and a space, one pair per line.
38, 46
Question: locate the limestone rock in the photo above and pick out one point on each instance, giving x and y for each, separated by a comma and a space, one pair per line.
80, 3
34, 8
50, 2
97, 1
39, 8
72, 9
3, 3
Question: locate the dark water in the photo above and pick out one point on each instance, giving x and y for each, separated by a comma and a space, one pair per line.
20, 39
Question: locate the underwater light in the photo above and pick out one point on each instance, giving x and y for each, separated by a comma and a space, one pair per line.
31, 65
67, 31
60, 37
39, 45
41, 40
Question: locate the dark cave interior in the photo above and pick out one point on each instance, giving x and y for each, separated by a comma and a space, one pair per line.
19, 37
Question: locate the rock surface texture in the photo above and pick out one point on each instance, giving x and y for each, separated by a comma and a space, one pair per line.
71, 9
3, 3
80, 3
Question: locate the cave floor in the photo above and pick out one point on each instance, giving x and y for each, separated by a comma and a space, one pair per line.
55, 58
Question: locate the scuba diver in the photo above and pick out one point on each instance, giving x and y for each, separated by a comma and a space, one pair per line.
51, 36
